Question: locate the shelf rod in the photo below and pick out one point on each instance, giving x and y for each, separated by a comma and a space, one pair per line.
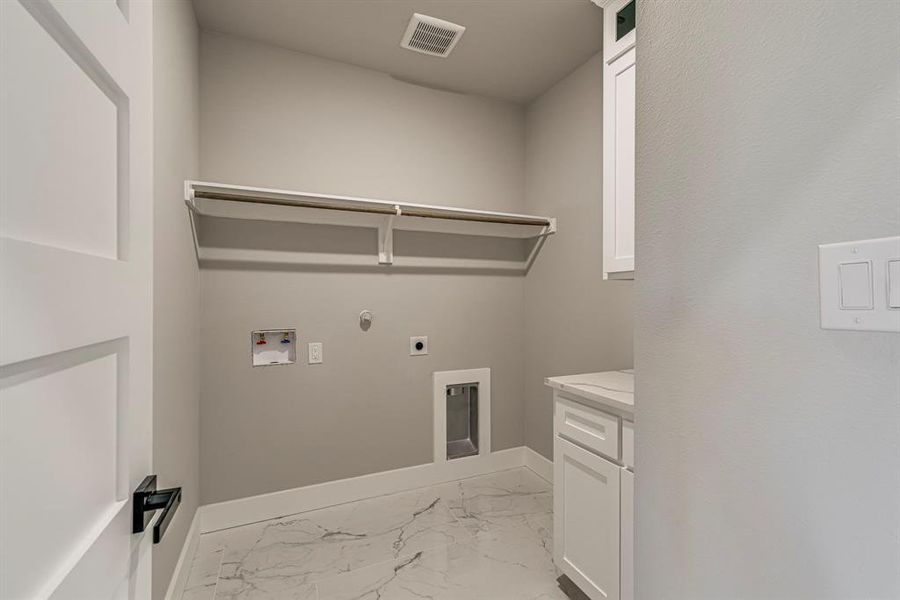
406, 211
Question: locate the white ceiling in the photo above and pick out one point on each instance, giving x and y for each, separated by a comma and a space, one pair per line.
512, 49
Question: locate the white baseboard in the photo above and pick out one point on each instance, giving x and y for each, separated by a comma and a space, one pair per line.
242, 511
537, 463
183, 566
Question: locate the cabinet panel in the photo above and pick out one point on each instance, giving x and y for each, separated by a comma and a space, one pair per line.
624, 73
615, 12
618, 163
586, 519
627, 549
628, 443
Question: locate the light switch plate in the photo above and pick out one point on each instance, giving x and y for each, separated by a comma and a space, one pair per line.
857, 287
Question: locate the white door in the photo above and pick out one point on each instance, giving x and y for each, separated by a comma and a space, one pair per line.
75, 296
586, 519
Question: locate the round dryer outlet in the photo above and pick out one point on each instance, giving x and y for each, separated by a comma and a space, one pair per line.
418, 345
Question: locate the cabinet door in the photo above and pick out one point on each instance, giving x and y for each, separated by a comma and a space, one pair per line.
618, 164
586, 520
618, 26
627, 550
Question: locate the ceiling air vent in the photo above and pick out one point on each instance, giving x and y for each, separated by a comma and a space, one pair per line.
431, 36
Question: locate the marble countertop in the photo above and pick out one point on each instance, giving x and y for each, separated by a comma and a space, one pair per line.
610, 389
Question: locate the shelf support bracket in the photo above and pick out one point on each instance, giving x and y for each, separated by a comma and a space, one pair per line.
550, 229
191, 204
386, 238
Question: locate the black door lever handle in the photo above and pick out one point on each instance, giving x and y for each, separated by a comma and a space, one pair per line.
146, 500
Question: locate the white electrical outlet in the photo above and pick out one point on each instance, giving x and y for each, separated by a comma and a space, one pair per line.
418, 345
315, 353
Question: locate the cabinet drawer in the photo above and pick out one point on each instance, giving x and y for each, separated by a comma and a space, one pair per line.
628, 444
591, 428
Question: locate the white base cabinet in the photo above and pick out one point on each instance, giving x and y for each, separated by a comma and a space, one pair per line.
593, 498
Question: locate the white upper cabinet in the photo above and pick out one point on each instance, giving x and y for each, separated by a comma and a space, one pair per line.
618, 138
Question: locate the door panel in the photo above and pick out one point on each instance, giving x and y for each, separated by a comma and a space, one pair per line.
586, 519
75, 296
627, 551
36, 118
613, 45
55, 300
623, 72
72, 477
619, 163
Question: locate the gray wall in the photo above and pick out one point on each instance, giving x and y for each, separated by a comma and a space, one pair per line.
576, 322
768, 450
176, 280
276, 118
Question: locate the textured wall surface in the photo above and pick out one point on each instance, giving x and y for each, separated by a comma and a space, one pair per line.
176, 278
576, 322
276, 118
768, 450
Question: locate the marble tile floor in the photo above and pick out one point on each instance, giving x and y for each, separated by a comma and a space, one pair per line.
484, 538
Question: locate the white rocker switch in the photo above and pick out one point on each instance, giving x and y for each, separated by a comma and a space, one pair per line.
856, 286
894, 284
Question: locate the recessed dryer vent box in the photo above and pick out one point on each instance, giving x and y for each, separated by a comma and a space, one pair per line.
462, 420
270, 347
462, 414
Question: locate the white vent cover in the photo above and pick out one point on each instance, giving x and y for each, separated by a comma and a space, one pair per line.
429, 35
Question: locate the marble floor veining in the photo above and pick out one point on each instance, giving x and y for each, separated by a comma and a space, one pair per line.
484, 538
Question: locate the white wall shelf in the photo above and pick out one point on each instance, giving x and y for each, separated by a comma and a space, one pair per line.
242, 202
